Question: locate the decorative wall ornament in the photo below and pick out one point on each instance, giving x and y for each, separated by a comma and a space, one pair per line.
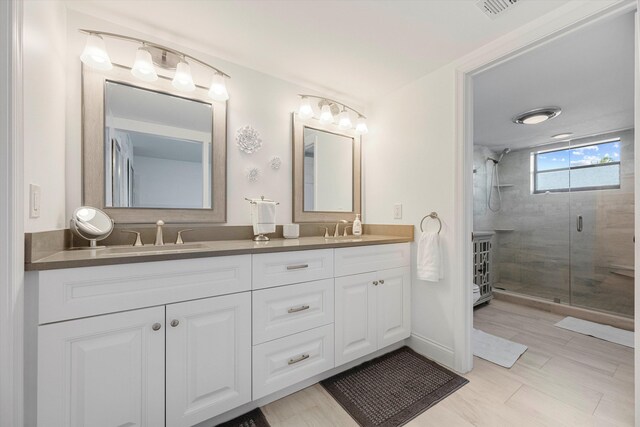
253, 174
248, 139
275, 163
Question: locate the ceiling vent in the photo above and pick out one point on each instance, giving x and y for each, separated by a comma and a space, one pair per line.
495, 8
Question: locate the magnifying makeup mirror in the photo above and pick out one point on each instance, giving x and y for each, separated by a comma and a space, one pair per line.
91, 224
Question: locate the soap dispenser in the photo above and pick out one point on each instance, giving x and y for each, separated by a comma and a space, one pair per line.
357, 226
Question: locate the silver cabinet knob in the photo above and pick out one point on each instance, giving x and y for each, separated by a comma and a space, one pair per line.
175, 322
375, 283
156, 326
381, 282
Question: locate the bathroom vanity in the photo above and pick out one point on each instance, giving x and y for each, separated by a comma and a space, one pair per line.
178, 342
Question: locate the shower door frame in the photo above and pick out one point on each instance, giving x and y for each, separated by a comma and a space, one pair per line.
567, 18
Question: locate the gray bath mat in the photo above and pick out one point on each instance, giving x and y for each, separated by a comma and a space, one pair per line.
254, 418
495, 349
392, 389
604, 332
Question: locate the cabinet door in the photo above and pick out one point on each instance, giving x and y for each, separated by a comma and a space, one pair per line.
394, 305
208, 357
102, 371
355, 316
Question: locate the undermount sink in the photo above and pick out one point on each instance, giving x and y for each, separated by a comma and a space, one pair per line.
342, 240
151, 249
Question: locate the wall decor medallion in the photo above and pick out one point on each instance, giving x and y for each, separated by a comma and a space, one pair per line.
275, 163
253, 174
248, 139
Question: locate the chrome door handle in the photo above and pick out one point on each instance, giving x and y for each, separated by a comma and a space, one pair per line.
156, 326
297, 309
579, 223
381, 282
375, 283
175, 322
298, 359
297, 267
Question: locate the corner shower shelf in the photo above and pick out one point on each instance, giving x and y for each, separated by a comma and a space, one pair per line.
505, 185
503, 230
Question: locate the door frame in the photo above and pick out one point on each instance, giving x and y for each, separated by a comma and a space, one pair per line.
11, 216
565, 19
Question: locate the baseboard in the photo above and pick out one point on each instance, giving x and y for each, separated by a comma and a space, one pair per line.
431, 349
296, 387
565, 310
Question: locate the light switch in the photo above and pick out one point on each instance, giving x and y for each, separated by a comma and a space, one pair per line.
397, 211
34, 201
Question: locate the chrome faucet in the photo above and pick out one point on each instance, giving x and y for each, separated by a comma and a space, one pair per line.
336, 232
159, 239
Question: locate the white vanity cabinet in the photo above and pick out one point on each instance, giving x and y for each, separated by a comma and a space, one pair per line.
102, 371
120, 368
372, 308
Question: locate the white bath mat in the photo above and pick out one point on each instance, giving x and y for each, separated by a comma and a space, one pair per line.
604, 332
495, 349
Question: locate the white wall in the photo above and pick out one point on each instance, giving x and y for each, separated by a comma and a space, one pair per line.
256, 99
44, 47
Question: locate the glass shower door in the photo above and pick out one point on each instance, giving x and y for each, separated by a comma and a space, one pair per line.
602, 210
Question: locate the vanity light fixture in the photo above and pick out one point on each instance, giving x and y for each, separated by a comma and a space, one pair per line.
143, 67
539, 115
183, 80
149, 56
344, 121
328, 108
562, 135
95, 53
326, 116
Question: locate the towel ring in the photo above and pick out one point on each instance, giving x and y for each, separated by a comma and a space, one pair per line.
432, 215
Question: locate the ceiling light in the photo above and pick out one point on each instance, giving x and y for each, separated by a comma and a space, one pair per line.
361, 126
344, 121
218, 89
143, 67
562, 135
325, 114
537, 116
95, 53
305, 111
182, 79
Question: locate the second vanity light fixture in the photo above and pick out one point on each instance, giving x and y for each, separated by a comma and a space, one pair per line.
148, 56
330, 108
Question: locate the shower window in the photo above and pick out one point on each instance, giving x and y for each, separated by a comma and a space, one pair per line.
594, 166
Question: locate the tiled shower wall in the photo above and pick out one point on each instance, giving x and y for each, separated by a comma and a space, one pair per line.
544, 255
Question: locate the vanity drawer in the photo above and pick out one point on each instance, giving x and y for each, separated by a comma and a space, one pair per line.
89, 291
364, 259
286, 310
284, 268
280, 363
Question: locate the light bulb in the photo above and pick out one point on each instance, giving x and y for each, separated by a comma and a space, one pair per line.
305, 111
95, 53
325, 115
361, 126
218, 90
143, 67
183, 80
344, 121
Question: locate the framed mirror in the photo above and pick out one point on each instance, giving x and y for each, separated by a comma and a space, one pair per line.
151, 152
326, 172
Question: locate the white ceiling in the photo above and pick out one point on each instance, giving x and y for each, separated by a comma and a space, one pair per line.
588, 73
360, 49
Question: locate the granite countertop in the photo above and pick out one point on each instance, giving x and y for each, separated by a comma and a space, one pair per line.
73, 258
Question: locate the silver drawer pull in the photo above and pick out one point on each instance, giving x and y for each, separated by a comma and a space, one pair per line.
297, 267
297, 309
298, 359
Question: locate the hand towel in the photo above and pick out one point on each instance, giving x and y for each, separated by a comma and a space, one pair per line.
429, 262
263, 217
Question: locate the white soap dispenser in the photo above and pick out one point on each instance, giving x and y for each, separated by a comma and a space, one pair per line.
357, 226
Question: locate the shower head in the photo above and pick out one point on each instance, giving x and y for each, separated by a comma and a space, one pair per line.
505, 151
